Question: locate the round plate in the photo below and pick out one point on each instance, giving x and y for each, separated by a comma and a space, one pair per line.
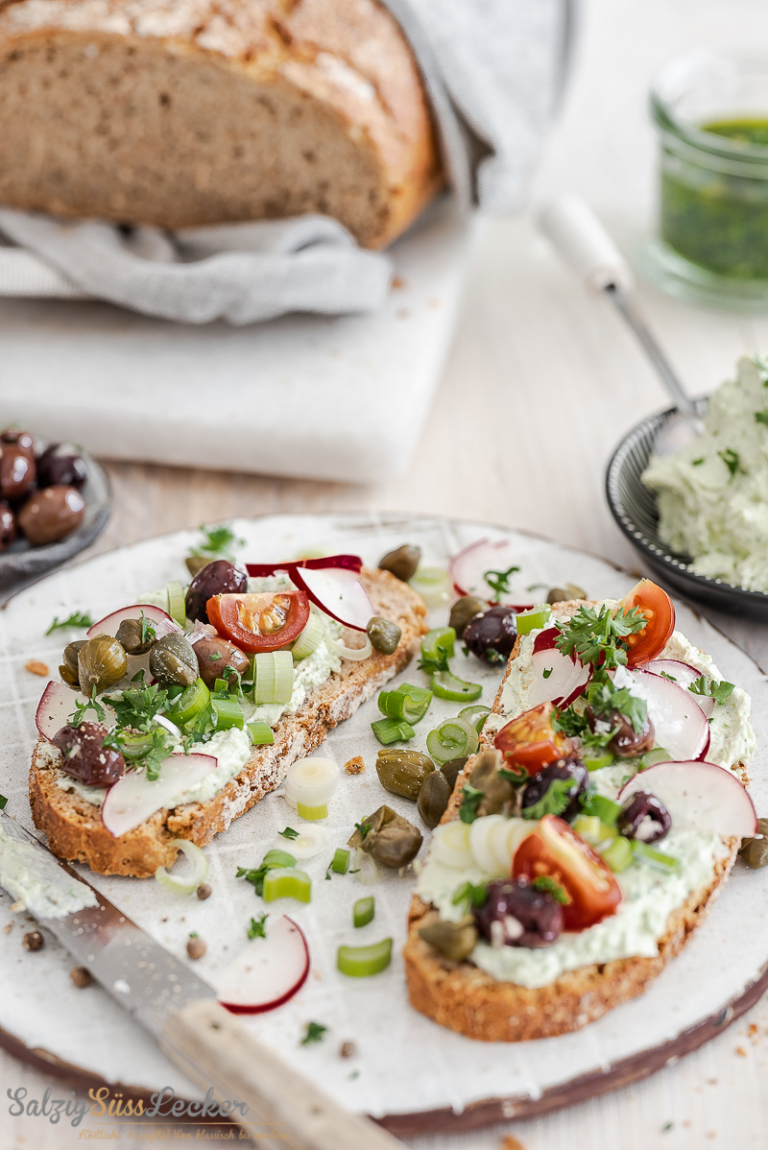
407, 1071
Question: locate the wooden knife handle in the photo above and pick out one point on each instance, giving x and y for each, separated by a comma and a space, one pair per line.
213, 1048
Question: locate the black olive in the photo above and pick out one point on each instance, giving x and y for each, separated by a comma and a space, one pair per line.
7, 526
85, 756
50, 514
536, 788
218, 578
516, 914
61, 464
17, 471
491, 635
644, 818
626, 743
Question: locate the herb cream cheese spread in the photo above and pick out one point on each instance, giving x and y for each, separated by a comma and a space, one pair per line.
37, 881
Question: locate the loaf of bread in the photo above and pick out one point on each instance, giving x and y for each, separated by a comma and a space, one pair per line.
177, 113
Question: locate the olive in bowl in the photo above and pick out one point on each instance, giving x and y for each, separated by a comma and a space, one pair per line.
50, 514
61, 464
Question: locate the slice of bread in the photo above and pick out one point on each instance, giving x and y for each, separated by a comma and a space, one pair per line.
461, 997
74, 827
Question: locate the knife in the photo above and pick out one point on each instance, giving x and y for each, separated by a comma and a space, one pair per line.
177, 1007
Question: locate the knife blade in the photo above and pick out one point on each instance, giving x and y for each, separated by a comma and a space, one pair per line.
176, 1006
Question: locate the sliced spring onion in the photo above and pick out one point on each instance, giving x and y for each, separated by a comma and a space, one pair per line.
366, 871
191, 703
170, 727
392, 731
450, 843
438, 644
312, 814
278, 857
135, 745
593, 831
407, 703
476, 715
363, 961
657, 755
606, 809
225, 685
448, 686
354, 654
310, 638
619, 854
261, 733
363, 911
453, 739
433, 584
340, 861
595, 760
272, 677
534, 620
644, 853
311, 782
178, 884
177, 608
228, 713
287, 882
310, 841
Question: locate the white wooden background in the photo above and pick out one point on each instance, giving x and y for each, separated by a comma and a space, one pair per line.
541, 384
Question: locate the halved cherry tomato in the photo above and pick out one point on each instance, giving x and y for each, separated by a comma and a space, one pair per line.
260, 622
659, 611
530, 740
554, 849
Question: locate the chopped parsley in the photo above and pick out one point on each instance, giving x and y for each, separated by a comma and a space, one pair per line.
554, 800
471, 799
254, 875
138, 706
3, 802
289, 833
546, 672
514, 774
314, 1033
762, 416
595, 635
147, 630
552, 886
362, 829
666, 675
498, 581
79, 713
258, 927
697, 462
473, 894
214, 656
76, 619
218, 543
432, 663
732, 461
705, 685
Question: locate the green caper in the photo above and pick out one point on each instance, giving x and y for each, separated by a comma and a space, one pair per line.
453, 940
451, 770
403, 772
463, 612
136, 636
754, 851
564, 594
384, 634
172, 661
196, 563
498, 792
402, 562
69, 670
390, 839
434, 797
101, 663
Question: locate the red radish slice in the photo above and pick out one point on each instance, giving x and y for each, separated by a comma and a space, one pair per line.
339, 593
680, 725
467, 570
703, 796
559, 678
350, 562
57, 704
684, 675
134, 797
268, 972
160, 620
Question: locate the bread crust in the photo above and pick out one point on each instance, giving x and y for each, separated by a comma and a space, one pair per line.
74, 827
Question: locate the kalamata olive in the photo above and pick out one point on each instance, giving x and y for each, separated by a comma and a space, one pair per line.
85, 756
101, 663
491, 635
540, 784
7, 526
61, 464
17, 471
390, 839
135, 636
644, 818
565, 594
20, 439
451, 770
402, 562
517, 914
384, 634
173, 662
218, 578
50, 514
452, 940
498, 792
403, 772
464, 611
214, 654
70, 668
627, 742
754, 851
434, 796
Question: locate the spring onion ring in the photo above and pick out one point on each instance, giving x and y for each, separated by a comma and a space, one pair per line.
475, 715
310, 841
407, 703
453, 739
433, 584
311, 783
261, 733
363, 961
354, 654
177, 607
190, 703
287, 882
310, 638
363, 911
272, 677
533, 620
312, 814
448, 686
618, 855
175, 883
392, 731
228, 713
340, 861
169, 726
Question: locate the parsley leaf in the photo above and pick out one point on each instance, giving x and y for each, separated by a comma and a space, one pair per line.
289, 833
362, 829
546, 672
762, 416
3, 802
81, 709
315, 1031
554, 800
76, 619
594, 635
732, 461
472, 797
473, 894
697, 462
218, 542
553, 887
705, 685
605, 700
254, 875
147, 630
258, 927
138, 706
498, 581
439, 662
514, 775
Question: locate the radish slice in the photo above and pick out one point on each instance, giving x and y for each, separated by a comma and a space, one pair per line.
684, 675
339, 593
347, 562
268, 972
703, 796
134, 797
467, 569
57, 704
559, 678
160, 620
680, 725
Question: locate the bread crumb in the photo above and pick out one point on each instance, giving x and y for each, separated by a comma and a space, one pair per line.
355, 766
741, 1052
8, 928
80, 976
35, 667
752, 1032
398, 282
509, 1142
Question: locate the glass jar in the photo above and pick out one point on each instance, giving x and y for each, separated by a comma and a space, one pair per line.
711, 111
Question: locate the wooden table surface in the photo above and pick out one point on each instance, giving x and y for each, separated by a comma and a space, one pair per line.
541, 384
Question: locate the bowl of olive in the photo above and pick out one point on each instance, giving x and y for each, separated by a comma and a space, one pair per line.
54, 501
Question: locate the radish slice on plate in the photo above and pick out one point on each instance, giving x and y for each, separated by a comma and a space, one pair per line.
684, 675
134, 797
268, 972
680, 725
160, 620
58, 703
559, 678
349, 562
468, 568
338, 592
702, 796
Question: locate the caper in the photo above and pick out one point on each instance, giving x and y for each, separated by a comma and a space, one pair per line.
384, 634
498, 792
69, 669
565, 594
101, 663
754, 851
453, 940
403, 772
402, 562
136, 636
463, 612
434, 797
172, 661
196, 563
390, 839
451, 770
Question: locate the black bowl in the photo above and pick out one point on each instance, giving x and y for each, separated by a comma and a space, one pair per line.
633, 506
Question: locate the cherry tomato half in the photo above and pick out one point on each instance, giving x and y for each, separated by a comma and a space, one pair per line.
260, 622
530, 740
659, 611
554, 849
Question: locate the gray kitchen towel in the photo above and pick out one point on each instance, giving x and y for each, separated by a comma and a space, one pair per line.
493, 70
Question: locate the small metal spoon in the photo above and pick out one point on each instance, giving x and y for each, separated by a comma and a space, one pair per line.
583, 242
